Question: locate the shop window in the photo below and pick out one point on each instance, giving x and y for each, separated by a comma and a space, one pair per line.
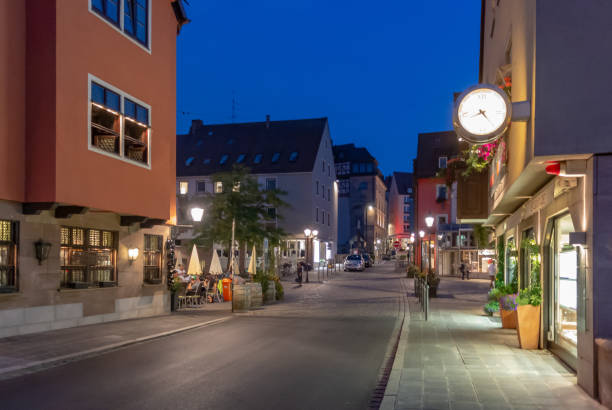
511, 262
87, 258
130, 142
152, 256
8, 256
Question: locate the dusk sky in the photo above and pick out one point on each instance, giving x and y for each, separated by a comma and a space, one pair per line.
382, 72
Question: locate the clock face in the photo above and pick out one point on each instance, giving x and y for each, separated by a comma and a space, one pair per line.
482, 114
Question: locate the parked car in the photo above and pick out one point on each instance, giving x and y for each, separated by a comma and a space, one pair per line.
367, 259
354, 262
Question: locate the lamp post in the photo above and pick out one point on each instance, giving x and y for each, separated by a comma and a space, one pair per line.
421, 235
429, 220
310, 234
412, 239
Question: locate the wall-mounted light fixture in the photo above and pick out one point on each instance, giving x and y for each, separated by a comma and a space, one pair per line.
132, 254
197, 214
42, 250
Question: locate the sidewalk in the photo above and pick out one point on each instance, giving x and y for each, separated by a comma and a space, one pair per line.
462, 359
29, 353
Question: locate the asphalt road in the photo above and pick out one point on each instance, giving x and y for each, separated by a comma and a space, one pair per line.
321, 349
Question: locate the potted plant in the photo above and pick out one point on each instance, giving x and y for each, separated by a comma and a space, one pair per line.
412, 271
433, 281
528, 316
507, 310
491, 307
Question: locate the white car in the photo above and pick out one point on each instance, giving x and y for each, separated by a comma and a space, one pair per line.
354, 262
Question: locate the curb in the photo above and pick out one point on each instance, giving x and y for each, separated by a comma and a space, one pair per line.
391, 391
14, 371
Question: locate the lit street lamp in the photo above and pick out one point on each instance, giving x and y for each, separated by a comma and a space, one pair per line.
310, 234
429, 220
196, 214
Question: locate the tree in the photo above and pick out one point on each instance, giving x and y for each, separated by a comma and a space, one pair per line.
243, 200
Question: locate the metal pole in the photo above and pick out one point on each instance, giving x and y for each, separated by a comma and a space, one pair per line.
307, 259
232, 260
426, 300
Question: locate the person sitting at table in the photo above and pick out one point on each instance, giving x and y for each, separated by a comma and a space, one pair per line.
192, 286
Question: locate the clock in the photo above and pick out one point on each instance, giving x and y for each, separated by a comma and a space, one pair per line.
482, 114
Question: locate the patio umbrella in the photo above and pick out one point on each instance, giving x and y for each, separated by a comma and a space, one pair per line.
252, 263
215, 265
194, 263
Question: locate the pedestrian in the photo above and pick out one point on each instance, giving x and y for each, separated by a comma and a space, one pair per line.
491, 270
462, 269
299, 273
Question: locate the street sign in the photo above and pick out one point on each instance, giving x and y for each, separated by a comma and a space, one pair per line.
396, 244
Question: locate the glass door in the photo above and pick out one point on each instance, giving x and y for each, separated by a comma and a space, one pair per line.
563, 286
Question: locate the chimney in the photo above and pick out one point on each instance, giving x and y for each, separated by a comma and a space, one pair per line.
196, 125
268, 121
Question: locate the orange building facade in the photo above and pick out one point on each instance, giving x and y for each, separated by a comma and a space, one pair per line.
87, 157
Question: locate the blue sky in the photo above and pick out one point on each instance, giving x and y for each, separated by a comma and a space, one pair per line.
380, 71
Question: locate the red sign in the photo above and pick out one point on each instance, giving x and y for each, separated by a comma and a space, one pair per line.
396, 244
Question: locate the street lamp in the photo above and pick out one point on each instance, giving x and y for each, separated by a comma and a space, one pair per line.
429, 220
310, 234
196, 214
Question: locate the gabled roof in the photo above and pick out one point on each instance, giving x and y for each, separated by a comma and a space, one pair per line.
431, 146
403, 181
201, 151
350, 153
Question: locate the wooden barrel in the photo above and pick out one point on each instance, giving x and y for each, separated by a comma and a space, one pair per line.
256, 295
270, 293
241, 300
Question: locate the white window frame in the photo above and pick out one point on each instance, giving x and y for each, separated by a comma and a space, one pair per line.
218, 186
270, 178
440, 216
121, 25
92, 78
183, 184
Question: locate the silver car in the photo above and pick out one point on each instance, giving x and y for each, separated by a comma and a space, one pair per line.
354, 262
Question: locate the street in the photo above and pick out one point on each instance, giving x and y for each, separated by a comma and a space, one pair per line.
323, 348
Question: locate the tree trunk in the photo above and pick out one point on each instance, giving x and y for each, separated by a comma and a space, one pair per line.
229, 256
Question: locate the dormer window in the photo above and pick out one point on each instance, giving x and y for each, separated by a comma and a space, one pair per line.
240, 159
223, 159
257, 159
293, 156
189, 161
206, 161
275, 157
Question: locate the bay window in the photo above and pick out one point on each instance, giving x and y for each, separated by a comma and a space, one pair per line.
119, 125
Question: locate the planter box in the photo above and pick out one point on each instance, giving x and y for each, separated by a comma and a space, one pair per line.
270, 296
508, 318
528, 326
256, 295
433, 292
604, 371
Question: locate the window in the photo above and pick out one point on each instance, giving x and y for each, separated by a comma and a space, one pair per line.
218, 187
236, 187
257, 159
406, 209
189, 161
343, 168
440, 193
409, 190
8, 256
270, 184
293, 156
130, 141
344, 186
406, 228
201, 187
363, 186
407, 199
223, 159
370, 168
206, 161
328, 194
87, 258
240, 158
362, 168
328, 220
322, 216
441, 220
152, 256
275, 157
323, 191
317, 187
317, 214
328, 170
323, 166
135, 21
355, 168
406, 218
183, 187
442, 162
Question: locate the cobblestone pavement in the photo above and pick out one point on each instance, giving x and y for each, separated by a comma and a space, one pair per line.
462, 359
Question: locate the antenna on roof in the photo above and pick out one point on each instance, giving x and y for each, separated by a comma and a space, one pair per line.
233, 106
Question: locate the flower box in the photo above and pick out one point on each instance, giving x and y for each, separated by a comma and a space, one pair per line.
528, 326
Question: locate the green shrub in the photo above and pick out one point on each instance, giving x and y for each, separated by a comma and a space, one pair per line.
412, 271
530, 296
495, 294
491, 307
279, 290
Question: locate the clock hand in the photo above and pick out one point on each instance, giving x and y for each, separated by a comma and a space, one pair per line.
485, 115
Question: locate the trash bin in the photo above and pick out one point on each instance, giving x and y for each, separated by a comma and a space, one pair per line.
227, 289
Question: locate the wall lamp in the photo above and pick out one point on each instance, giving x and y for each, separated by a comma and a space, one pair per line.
42, 250
132, 254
